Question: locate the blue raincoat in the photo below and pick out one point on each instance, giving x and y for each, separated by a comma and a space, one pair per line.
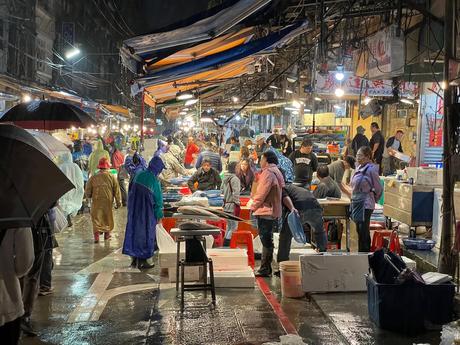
285, 164
145, 208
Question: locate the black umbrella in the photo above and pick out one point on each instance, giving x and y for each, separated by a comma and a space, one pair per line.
30, 182
47, 115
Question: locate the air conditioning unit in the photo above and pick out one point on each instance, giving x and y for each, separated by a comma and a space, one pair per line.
373, 108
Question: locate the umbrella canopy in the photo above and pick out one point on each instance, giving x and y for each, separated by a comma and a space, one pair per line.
30, 181
47, 115
52, 146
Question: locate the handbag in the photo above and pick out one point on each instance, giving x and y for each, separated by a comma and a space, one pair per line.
358, 200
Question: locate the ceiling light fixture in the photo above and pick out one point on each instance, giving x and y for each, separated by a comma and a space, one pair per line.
339, 92
183, 96
406, 101
191, 102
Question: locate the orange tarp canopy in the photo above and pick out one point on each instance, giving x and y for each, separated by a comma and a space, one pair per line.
217, 45
117, 109
163, 92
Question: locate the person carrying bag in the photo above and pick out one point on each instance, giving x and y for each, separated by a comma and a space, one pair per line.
366, 191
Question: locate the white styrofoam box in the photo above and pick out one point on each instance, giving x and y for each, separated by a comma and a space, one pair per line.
228, 259
294, 244
409, 263
167, 260
295, 253
425, 176
191, 274
241, 278
334, 272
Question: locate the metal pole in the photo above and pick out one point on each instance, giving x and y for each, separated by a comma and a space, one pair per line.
142, 117
446, 259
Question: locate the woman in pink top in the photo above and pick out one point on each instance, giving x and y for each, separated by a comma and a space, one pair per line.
266, 206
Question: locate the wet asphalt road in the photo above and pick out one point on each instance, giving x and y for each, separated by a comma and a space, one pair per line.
98, 299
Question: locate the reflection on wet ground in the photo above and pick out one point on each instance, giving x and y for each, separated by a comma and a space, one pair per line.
98, 299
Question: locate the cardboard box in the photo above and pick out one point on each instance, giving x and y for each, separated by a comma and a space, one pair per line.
192, 274
334, 272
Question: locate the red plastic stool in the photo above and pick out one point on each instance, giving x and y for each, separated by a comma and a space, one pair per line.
244, 237
222, 225
378, 241
169, 223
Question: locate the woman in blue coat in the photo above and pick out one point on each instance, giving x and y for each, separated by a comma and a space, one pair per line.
145, 209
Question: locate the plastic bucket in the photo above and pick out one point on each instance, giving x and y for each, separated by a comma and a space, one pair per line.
291, 280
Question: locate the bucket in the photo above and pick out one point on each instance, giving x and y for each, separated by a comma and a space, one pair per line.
291, 282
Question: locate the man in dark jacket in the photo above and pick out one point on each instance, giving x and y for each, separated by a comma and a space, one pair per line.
210, 155
359, 140
305, 163
207, 178
377, 142
327, 187
303, 202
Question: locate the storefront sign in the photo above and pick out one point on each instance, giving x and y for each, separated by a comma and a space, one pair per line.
354, 86
386, 54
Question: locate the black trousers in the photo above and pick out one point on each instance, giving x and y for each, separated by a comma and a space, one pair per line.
10, 332
364, 235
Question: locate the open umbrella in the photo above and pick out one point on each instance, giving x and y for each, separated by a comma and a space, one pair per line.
53, 147
30, 181
47, 115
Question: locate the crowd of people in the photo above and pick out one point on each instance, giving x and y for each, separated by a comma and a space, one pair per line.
278, 178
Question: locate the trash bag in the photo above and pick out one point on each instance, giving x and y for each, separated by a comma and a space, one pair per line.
384, 271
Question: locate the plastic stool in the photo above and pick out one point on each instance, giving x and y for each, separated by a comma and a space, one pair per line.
378, 241
244, 237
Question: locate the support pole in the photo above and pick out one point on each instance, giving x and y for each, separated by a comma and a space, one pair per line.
142, 118
446, 259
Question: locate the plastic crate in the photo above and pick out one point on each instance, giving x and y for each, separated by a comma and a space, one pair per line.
439, 303
398, 308
409, 308
418, 243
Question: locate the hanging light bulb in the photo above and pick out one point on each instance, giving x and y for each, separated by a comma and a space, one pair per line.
339, 92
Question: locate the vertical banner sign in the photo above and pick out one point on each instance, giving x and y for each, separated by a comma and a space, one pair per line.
386, 54
68, 34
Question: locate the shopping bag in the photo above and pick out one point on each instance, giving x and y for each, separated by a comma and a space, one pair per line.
58, 220
257, 245
295, 225
165, 242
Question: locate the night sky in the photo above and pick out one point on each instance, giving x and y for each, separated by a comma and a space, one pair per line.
146, 16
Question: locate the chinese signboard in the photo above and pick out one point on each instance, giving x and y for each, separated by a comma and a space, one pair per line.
386, 54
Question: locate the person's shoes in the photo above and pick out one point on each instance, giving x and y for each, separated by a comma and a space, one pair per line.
45, 291
143, 264
69, 221
133, 262
277, 274
107, 236
263, 273
226, 243
27, 328
96, 237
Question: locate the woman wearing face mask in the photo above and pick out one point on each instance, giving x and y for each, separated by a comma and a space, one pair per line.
245, 173
366, 190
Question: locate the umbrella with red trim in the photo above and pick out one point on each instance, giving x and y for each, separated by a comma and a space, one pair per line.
47, 115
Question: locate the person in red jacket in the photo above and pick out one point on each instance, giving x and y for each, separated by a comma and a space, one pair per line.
191, 152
